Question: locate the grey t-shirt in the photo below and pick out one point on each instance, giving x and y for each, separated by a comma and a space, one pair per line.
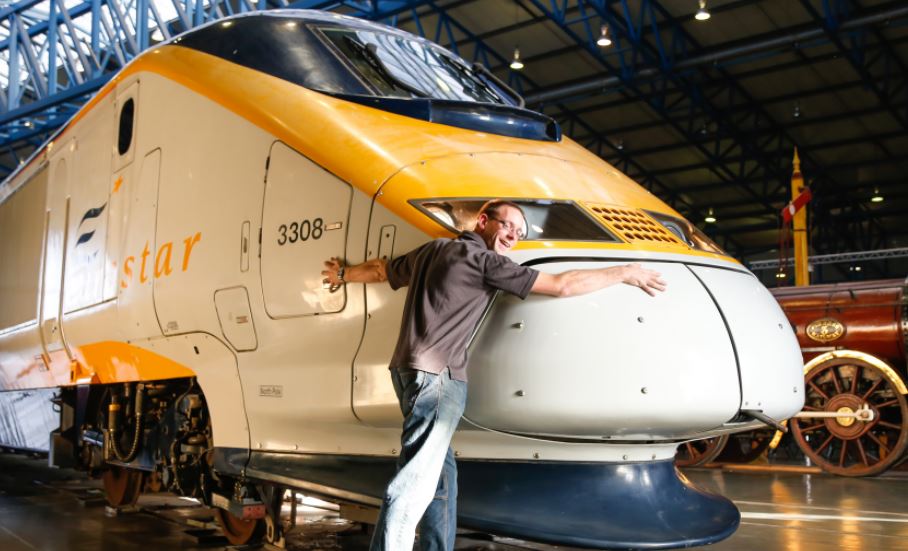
451, 281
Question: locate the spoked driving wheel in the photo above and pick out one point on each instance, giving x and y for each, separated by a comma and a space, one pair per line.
700, 452
122, 487
844, 445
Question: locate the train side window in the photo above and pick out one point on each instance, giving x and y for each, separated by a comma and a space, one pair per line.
127, 118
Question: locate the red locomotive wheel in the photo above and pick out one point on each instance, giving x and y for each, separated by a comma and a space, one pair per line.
846, 446
700, 452
239, 531
122, 486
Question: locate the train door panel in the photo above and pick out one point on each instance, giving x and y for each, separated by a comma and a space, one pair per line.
304, 220
123, 153
135, 301
374, 401
89, 172
51, 305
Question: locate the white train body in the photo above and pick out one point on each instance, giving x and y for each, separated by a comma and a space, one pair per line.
187, 242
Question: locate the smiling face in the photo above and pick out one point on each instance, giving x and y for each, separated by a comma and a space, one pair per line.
501, 228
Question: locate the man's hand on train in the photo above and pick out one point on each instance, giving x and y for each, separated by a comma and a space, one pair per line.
650, 281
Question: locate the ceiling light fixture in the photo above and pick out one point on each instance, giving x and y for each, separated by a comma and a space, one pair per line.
516, 64
604, 40
702, 13
780, 275
797, 110
877, 198
710, 217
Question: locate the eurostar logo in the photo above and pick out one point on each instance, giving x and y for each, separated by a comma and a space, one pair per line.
89, 216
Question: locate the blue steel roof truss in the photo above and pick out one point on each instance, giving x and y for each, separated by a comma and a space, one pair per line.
63, 54
733, 157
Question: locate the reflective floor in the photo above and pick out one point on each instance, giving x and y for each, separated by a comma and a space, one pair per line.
48, 510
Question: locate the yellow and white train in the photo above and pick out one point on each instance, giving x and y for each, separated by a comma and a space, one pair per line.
163, 317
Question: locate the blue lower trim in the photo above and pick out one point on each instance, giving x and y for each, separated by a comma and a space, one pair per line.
600, 505
613, 506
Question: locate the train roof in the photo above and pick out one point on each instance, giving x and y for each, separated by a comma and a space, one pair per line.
312, 16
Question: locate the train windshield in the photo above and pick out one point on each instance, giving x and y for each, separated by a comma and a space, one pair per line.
546, 220
348, 60
375, 66
399, 67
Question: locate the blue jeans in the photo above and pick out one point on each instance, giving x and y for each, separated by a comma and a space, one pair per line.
424, 490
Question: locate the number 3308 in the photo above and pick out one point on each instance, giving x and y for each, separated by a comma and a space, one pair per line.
300, 231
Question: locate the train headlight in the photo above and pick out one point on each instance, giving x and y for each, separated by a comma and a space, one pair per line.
687, 232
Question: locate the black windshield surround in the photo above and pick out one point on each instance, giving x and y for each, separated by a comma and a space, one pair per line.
356, 62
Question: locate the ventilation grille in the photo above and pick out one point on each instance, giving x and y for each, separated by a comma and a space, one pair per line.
634, 225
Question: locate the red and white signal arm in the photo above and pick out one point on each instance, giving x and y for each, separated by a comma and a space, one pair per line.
792, 208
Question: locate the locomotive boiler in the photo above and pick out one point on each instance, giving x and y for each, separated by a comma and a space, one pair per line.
163, 317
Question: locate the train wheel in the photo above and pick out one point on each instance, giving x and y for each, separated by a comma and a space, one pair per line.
846, 446
239, 531
746, 446
122, 486
700, 452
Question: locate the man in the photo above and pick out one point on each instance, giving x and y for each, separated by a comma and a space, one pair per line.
450, 284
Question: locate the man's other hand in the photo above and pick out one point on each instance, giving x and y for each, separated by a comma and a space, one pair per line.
650, 281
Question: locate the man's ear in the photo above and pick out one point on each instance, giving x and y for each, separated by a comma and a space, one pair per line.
481, 221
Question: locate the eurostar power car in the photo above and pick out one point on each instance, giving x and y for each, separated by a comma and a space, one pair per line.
163, 316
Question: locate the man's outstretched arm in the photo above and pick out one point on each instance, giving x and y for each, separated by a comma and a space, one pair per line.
371, 271
580, 282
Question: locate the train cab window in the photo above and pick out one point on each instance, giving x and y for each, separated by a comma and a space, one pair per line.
547, 220
127, 118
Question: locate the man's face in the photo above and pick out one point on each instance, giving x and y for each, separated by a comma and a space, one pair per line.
501, 230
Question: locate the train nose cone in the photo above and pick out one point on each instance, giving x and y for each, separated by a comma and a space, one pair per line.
619, 364
614, 363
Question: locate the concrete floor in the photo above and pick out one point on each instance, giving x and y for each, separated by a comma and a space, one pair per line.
60, 510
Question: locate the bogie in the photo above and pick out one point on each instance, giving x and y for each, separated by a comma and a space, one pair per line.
160, 430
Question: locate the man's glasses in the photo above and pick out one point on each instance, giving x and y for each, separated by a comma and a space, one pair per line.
511, 227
